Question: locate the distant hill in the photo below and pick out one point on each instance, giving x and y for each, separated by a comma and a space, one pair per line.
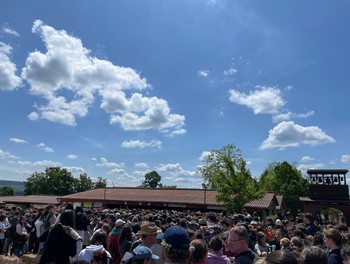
18, 186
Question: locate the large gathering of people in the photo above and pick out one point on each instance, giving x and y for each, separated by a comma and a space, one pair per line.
76, 235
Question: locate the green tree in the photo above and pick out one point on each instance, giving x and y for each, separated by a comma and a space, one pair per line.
225, 171
84, 183
6, 191
100, 183
54, 180
152, 180
285, 179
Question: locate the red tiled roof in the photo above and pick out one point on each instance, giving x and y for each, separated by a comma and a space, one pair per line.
30, 199
150, 195
263, 203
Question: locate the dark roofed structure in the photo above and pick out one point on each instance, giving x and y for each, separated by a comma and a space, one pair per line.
30, 200
146, 197
265, 206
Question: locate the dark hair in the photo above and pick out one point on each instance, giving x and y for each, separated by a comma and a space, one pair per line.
281, 257
215, 243
313, 254
67, 218
198, 250
335, 236
99, 237
100, 256
126, 234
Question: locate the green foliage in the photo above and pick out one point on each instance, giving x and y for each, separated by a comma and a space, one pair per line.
285, 179
6, 191
84, 183
100, 183
225, 171
59, 181
152, 180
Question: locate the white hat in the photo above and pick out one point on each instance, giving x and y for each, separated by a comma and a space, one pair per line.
119, 222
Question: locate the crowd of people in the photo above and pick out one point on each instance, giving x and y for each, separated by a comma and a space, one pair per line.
125, 236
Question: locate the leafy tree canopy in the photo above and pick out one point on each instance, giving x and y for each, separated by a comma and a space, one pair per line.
285, 179
225, 171
59, 181
152, 180
6, 191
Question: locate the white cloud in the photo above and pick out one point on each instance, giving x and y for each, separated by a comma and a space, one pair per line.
105, 163
230, 72
9, 80
68, 66
266, 100
288, 116
18, 141
42, 146
174, 170
203, 73
141, 165
142, 144
345, 159
306, 159
74, 169
304, 167
7, 155
155, 114
8, 30
288, 134
47, 163
72, 157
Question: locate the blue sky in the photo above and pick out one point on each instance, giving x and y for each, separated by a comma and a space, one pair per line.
118, 89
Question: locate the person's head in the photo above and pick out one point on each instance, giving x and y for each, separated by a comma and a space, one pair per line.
51, 208
198, 250
285, 243
99, 238
215, 244
99, 257
238, 240
261, 237
67, 218
148, 232
332, 239
176, 244
313, 255
281, 257
143, 255
308, 218
278, 234
345, 254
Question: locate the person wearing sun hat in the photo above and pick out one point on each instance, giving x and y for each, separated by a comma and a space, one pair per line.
143, 255
176, 244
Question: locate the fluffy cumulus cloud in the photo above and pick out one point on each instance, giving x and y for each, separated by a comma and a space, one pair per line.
304, 167
204, 155
70, 79
175, 172
265, 100
142, 144
9, 80
105, 163
18, 141
141, 165
289, 134
345, 159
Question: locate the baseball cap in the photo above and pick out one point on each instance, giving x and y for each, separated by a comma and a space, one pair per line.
177, 237
143, 252
119, 222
